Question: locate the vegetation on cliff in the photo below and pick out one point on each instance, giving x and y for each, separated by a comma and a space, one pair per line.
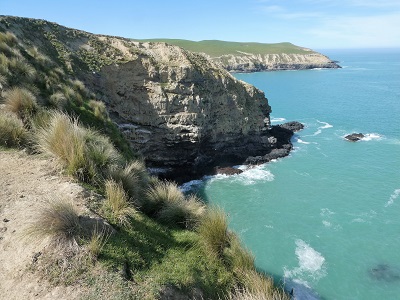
143, 238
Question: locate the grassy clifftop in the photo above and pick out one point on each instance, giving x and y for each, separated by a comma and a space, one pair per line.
216, 48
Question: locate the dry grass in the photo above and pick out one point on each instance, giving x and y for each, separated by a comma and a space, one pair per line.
213, 232
8, 38
12, 130
57, 220
133, 177
58, 100
21, 102
97, 242
116, 206
257, 286
83, 153
159, 194
99, 109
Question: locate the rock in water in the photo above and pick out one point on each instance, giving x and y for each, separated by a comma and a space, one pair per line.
354, 137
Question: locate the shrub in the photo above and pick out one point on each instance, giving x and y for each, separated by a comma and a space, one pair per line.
21, 102
84, 153
12, 130
213, 232
59, 221
116, 206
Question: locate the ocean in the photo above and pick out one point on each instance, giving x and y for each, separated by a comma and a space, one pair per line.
326, 219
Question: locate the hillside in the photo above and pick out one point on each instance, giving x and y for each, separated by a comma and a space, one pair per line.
81, 216
255, 57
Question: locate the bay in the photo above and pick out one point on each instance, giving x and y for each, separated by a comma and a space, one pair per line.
325, 220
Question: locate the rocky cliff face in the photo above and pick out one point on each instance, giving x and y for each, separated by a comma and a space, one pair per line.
180, 110
247, 62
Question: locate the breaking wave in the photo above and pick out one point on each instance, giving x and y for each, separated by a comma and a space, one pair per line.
393, 197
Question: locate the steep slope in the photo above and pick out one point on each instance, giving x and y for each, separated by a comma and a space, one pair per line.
255, 57
180, 110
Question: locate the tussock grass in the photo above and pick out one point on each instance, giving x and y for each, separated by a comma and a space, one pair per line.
133, 177
116, 206
99, 109
3, 64
213, 232
97, 242
57, 220
84, 153
21, 102
12, 130
257, 286
58, 100
238, 257
8, 38
20, 71
160, 194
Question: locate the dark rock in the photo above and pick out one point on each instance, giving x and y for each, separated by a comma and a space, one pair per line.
384, 272
6, 220
354, 137
292, 126
227, 171
36, 256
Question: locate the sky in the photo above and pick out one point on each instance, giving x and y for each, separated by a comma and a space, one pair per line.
316, 24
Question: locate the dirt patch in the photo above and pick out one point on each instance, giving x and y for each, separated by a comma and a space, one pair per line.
25, 183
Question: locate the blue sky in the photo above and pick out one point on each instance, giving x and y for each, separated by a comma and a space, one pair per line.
317, 24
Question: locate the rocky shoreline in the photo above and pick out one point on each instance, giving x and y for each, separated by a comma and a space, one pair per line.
279, 146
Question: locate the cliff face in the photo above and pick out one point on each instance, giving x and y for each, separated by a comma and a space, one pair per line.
179, 109
247, 62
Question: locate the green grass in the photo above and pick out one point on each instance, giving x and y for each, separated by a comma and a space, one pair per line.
216, 48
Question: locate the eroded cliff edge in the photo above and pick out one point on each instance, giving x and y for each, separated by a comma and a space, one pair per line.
180, 110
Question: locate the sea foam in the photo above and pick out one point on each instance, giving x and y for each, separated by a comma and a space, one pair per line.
277, 120
393, 197
311, 263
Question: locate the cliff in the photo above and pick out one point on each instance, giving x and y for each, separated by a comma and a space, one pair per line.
257, 57
180, 110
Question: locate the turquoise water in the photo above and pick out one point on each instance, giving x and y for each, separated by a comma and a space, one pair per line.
325, 220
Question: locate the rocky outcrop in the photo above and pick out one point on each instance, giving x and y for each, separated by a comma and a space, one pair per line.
354, 137
247, 62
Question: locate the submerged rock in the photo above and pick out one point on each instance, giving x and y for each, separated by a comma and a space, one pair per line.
227, 171
384, 272
354, 137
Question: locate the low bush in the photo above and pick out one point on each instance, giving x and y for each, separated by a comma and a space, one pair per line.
12, 130
213, 232
57, 220
116, 206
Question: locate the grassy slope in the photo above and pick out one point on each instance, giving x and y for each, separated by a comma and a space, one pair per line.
216, 48
157, 255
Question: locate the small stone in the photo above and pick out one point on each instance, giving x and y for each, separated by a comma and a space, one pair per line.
3, 229
6, 220
21, 196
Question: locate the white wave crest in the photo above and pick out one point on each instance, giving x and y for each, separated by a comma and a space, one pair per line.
311, 263
326, 212
277, 120
253, 175
372, 136
325, 125
326, 223
302, 142
393, 197
191, 185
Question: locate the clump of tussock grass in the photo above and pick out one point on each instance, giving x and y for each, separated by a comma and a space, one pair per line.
58, 100
97, 242
83, 153
159, 195
238, 258
133, 177
6, 49
20, 71
99, 109
57, 220
12, 130
117, 207
185, 213
21, 102
257, 286
213, 232
4, 64
8, 38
